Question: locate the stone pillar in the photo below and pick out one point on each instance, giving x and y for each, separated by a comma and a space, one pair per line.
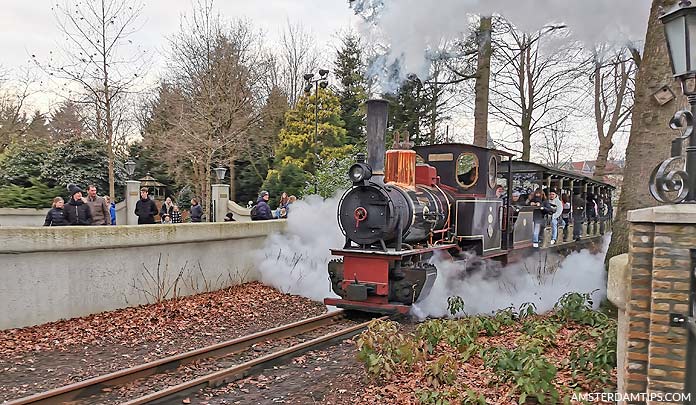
132, 197
618, 290
221, 193
660, 243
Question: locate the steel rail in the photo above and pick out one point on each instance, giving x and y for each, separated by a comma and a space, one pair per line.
95, 385
166, 396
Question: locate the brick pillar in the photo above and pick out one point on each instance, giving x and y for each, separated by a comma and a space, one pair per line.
661, 239
640, 248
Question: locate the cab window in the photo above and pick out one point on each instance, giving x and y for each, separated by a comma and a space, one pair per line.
467, 169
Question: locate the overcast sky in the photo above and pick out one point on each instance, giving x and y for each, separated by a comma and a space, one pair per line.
28, 27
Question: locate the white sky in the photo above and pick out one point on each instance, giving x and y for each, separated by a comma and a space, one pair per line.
28, 27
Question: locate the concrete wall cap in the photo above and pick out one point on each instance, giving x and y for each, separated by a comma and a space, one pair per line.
76, 238
666, 214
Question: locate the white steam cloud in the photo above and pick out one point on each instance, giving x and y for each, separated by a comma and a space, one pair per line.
412, 29
541, 279
296, 262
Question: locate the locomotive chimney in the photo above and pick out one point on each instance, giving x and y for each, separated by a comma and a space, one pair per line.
377, 110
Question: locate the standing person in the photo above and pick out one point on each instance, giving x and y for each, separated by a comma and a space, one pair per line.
542, 208
578, 216
262, 211
97, 206
56, 215
557, 210
112, 209
176, 215
565, 199
591, 213
76, 211
167, 208
145, 208
196, 211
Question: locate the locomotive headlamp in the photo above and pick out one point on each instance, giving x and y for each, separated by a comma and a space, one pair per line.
359, 172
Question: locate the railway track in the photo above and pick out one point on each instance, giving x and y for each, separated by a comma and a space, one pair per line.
87, 391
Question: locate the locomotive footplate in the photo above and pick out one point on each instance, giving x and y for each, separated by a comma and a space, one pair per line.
392, 253
368, 306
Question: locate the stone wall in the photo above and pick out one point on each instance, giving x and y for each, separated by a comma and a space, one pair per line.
659, 261
50, 273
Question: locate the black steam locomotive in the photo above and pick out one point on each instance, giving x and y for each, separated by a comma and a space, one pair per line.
408, 203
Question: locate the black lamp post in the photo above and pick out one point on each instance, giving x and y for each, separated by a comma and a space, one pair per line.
323, 83
680, 30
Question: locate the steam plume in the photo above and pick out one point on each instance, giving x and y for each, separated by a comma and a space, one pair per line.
411, 29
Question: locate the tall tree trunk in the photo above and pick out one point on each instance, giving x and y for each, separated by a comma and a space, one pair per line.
483, 76
107, 106
233, 190
650, 138
605, 146
526, 143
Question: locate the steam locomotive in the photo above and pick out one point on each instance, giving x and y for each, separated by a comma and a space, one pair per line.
408, 203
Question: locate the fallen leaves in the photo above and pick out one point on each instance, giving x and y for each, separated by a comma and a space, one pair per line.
205, 314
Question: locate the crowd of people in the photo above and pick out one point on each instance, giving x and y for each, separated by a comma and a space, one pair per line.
558, 211
262, 210
95, 210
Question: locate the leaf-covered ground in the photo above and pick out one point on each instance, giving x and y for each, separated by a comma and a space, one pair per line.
510, 358
40, 357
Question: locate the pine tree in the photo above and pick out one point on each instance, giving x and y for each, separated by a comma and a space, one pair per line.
352, 92
297, 143
66, 122
38, 128
408, 108
298, 149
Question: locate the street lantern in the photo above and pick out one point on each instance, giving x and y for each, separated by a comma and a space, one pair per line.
130, 168
220, 173
322, 82
673, 180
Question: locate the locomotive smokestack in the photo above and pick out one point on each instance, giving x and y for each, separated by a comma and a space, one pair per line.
377, 111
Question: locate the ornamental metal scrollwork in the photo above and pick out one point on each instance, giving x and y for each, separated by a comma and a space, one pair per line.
663, 181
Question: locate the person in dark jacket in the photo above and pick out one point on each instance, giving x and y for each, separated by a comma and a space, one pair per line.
542, 209
196, 211
76, 211
56, 216
145, 208
167, 208
591, 213
262, 210
578, 215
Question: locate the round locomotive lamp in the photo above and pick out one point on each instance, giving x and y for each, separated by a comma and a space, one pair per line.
680, 30
359, 172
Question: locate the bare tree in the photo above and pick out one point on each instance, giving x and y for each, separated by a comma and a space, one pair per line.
213, 99
613, 81
14, 94
651, 137
298, 56
99, 58
533, 80
554, 146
